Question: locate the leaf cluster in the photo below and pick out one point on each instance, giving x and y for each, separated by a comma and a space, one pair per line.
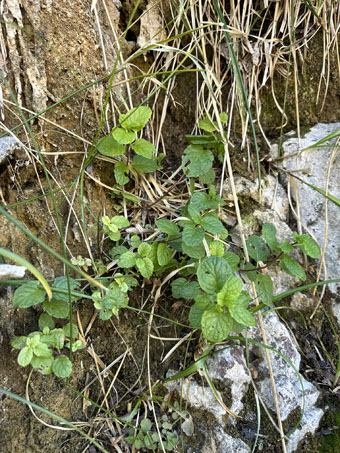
146, 435
41, 349
124, 137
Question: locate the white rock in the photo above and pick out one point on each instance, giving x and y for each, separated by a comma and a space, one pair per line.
288, 384
7, 146
312, 203
229, 366
198, 396
221, 442
274, 195
9, 271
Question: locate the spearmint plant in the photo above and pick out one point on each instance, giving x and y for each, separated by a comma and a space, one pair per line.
42, 349
211, 275
124, 137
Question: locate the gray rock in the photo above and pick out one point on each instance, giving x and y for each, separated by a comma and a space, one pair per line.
9, 271
197, 396
7, 146
288, 383
229, 366
219, 442
312, 166
274, 196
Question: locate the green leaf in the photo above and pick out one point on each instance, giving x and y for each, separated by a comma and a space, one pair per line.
18, 342
250, 272
264, 288
108, 146
25, 356
62, 366
127, 260
28, 295
123, 137
212, 224
195, 316
257, 249
205, 140
206, 125
56, 338
118, 250
307, 245
145, 267
212, 273
42, 363
143, 148
143, 165
233, 260
130, 197
182, 288
192, 236
167, 227
135, 118
292, 267
56, 307
242, 315
67, 330
76, 345
120, 171
216, 326
45, 320
201, 160
61, 283
146, 424
286, 246
194, 252
135, 241
205, 301
208, 177
120, 221
41, 350
144, 249
164, 254
269, 235
230, 291
216, 248
223, 117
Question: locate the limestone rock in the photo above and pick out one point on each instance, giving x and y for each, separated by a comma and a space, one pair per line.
288, 383
228, 365
7, 146
8, 271
312, 166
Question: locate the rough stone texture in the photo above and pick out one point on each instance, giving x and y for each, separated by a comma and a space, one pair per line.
312, 204
274, 196
197, 396
7, 146
288, 384
220, 441
229, 366
151, 25
8, 271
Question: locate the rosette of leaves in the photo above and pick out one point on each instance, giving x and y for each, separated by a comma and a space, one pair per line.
146, 435
221, 306
125, 135
198, 158
112, 226
42, 349
116, 296
141, 259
